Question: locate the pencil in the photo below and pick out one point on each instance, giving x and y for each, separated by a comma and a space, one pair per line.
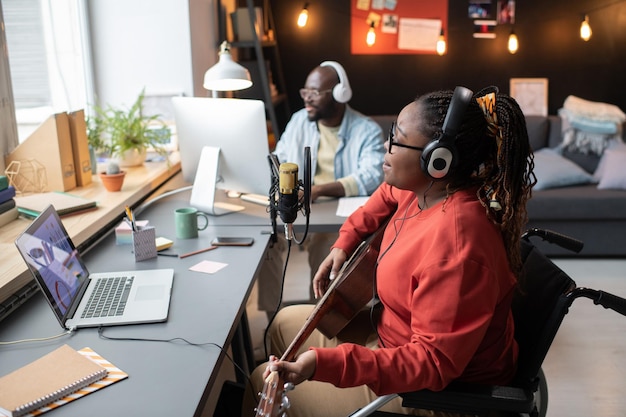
184, 255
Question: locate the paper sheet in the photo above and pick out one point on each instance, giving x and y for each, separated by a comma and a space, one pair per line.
208, 267
419, 34
347, 205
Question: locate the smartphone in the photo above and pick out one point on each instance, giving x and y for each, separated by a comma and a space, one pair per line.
232, 241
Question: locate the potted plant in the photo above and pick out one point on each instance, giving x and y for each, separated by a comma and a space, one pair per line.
113, 177
125, 134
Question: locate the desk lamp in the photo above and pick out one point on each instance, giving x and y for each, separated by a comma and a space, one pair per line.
226, 75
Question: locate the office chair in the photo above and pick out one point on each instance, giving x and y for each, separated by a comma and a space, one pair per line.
543, 299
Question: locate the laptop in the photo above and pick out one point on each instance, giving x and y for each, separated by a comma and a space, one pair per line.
81, 299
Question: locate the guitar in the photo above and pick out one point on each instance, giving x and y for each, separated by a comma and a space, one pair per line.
347, 294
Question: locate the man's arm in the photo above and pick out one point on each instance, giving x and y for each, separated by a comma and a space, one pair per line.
362, 156
331, 189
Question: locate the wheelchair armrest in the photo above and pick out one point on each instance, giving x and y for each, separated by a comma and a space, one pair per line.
463, 397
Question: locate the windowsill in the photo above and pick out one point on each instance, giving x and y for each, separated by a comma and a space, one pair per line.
139, 183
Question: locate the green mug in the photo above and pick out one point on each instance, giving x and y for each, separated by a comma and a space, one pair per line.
186, 220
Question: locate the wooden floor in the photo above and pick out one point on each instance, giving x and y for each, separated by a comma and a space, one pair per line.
586, 365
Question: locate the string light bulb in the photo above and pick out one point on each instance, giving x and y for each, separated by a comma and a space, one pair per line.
441, 43
371, 34
513, 42
303, 17
585, 29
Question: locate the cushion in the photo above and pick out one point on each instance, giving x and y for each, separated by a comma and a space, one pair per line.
588, 162
611, 173
553, 170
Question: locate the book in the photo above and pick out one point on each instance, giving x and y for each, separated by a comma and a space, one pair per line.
50, 145
8, 216
4, 182
114, 375
7, 194
80, 147
47, 379
32, 205
7, 205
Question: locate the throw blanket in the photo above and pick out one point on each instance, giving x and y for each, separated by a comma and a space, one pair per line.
594, 110
589, 126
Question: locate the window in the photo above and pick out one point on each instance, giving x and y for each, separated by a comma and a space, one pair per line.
48, 52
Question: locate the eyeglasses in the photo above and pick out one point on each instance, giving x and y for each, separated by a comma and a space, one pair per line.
392, 142
313, 93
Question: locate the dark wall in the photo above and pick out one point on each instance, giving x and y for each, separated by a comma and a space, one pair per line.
550, 47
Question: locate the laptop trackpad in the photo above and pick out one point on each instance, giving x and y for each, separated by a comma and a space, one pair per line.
150, 292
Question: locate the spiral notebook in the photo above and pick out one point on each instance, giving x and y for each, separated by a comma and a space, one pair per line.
47, 379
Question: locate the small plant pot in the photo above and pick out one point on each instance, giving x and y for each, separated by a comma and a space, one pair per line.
112, 182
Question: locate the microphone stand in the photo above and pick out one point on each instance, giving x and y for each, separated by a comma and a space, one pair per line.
274, 167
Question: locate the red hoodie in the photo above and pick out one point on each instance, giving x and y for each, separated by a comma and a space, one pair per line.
444, 280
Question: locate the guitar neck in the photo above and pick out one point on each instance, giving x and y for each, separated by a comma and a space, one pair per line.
310, 324
353, 270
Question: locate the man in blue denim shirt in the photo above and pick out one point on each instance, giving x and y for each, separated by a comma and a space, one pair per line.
346, 160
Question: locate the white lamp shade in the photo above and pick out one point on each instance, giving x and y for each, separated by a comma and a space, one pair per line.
227, 75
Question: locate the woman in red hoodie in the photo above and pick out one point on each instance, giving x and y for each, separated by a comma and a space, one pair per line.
458, 173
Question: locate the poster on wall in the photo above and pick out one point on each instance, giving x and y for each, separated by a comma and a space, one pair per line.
398, 26
531, 94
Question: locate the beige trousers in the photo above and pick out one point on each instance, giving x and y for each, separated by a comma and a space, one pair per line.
319, 399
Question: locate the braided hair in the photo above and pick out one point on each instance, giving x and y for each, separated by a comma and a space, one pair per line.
493, 154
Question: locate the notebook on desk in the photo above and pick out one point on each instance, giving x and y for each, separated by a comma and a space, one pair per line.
81, 299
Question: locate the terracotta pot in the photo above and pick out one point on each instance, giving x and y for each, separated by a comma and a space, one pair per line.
112, 182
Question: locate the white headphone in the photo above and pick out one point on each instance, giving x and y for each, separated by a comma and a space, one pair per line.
342, 92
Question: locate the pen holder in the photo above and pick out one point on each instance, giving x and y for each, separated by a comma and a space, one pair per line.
144, 243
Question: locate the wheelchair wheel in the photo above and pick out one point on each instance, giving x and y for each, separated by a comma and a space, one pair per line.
542, 395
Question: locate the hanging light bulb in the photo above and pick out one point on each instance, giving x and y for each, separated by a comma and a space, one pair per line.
303, 16
513, 42
371, 35
585, 29
441, 43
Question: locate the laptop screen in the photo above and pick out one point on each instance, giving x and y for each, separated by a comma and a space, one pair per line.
54, 261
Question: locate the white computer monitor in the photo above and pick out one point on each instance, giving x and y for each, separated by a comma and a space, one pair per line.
238, 128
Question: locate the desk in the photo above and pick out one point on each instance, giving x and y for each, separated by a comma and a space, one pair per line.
165, 379
322, 218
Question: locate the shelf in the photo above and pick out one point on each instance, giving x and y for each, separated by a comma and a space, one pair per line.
262, 58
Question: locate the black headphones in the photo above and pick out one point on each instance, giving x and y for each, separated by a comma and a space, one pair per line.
440, 155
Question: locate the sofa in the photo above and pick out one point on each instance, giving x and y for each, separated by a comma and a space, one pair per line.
569, 200
588, 210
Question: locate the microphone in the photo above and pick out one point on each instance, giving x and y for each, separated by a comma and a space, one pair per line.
288, 195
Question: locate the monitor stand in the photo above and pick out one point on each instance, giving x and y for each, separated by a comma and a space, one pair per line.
203, 190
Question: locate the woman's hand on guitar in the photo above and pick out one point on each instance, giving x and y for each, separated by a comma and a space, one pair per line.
328, 270
295, 372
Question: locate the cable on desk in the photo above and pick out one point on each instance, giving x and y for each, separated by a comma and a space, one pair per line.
182, 339
159, 197
38, 339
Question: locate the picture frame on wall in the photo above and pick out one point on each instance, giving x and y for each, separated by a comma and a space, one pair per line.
531, 94
506, 12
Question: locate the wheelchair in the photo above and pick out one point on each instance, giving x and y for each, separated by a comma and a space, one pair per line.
540, 304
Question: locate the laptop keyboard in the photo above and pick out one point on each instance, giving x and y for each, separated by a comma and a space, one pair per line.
108, 298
